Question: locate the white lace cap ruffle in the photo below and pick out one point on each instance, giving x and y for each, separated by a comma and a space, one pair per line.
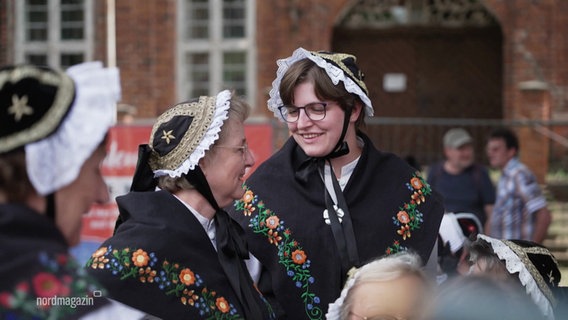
515, 265
222, 104
56, 161
334, 73
334, 310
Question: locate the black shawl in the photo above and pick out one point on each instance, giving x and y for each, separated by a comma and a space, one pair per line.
391, 206
38, 277
161, 261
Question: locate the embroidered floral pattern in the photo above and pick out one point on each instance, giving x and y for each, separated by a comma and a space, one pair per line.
171, 278
290, 253
409, 218
53, 293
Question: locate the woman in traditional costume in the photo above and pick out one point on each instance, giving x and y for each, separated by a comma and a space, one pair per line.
175, 253
328, 200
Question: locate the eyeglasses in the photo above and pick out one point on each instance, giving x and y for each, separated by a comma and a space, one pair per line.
380, 317
244, 149
315, 111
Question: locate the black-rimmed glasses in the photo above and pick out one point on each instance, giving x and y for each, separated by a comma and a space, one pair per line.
315, 111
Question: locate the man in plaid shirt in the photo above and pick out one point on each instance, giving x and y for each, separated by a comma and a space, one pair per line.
520, 210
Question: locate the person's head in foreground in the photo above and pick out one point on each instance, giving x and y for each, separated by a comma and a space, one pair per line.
476, 297
53, 128
525, 264
392, 287
52, 140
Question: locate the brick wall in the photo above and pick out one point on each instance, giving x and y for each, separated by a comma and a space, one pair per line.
283, 26
535, 49
6, 27
146, 37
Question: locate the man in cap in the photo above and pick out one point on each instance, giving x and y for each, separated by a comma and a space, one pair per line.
464, 184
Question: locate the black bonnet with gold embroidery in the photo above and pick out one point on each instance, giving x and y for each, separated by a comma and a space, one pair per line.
183, 133
33, 102
340, 67
535, 266
59, 118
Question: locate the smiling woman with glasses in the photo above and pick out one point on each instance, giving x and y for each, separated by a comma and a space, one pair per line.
315, 111
329, 200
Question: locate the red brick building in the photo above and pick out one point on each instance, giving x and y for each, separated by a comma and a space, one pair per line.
490, 59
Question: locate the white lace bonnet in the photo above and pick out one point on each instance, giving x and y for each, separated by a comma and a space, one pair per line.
338, 66
183, 133
60, 118
535, 266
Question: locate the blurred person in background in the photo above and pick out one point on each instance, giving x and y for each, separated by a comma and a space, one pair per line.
520, 211
464, 184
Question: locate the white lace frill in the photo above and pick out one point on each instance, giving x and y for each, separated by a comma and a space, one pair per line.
56, 161
515, 265
334, 73
222, 105
334, 310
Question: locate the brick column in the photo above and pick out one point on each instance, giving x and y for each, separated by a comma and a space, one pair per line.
534, 104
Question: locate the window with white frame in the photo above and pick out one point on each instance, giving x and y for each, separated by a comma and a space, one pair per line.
58, 33
215, 47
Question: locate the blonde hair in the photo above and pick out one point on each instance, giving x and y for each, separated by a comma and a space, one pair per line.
386, 268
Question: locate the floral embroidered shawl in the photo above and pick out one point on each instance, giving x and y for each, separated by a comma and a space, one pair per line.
161, 261
391, 206
38, 278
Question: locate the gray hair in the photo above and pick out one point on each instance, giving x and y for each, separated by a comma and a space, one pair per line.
238, 112
383, 269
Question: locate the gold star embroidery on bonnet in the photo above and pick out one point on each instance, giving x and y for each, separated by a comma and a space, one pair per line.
168, 136
19, 107
551, 278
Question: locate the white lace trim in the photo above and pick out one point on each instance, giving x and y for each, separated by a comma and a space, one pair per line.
56, 161
515, 265
222, 105
334, 73
334, 310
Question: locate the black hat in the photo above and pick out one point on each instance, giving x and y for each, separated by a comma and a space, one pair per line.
33, 103
535, 266
58, 117
183, 133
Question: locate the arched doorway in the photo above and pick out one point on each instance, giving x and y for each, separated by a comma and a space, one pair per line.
425, 59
